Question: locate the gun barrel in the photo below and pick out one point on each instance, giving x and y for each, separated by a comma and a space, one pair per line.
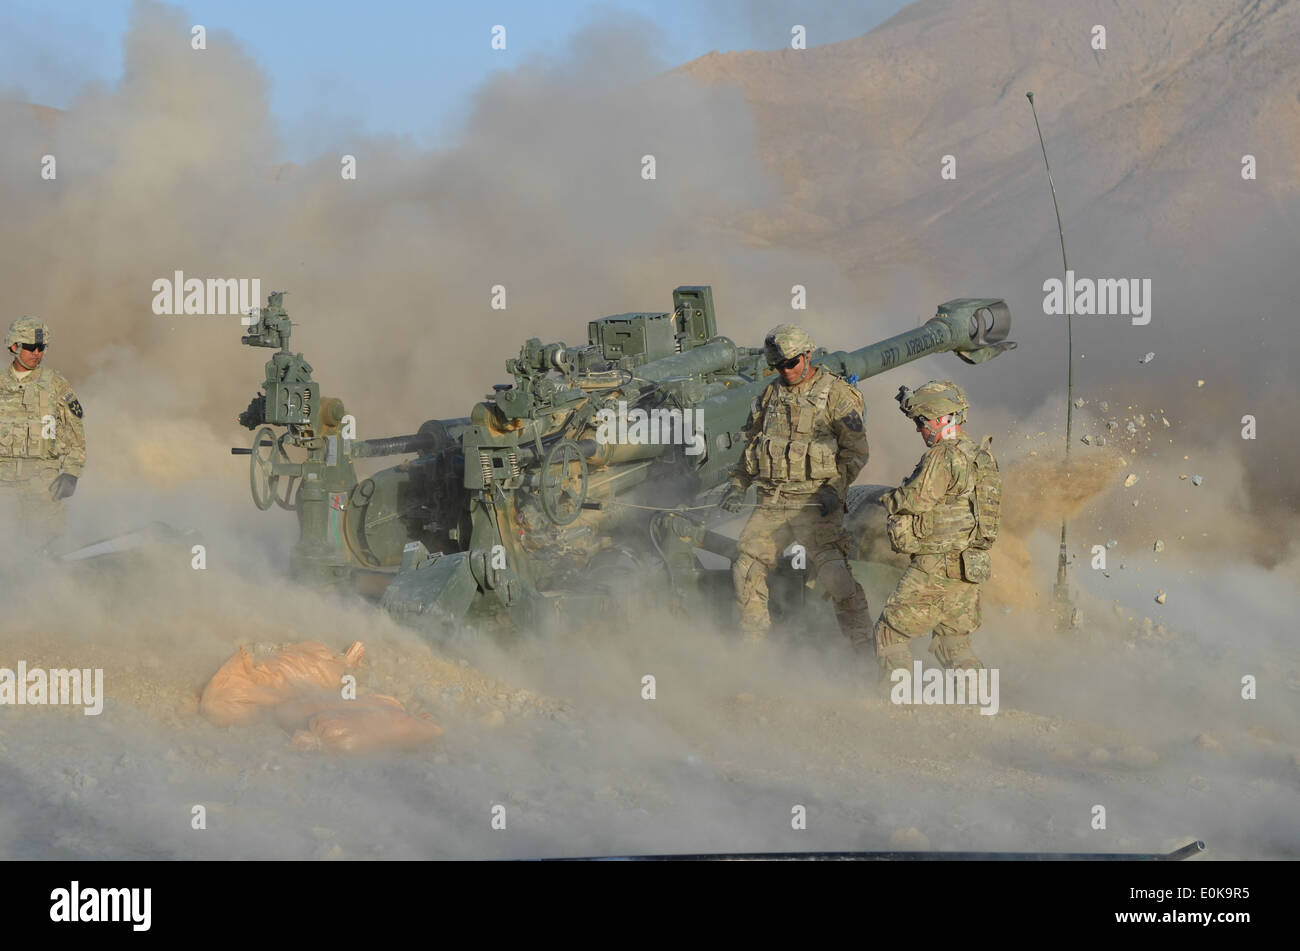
393, 445
716, 357
975, 328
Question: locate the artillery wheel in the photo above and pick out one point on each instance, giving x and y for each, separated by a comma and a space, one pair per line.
563, 491
262, 478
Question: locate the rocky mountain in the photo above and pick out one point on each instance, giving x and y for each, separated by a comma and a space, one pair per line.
1147, 135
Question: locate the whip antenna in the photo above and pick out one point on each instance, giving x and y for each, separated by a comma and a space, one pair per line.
1062, 589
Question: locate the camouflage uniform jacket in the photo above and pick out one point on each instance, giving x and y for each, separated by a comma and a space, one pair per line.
938, 496
802, 437
27, 407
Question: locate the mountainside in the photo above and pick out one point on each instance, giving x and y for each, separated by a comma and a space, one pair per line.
1147, 134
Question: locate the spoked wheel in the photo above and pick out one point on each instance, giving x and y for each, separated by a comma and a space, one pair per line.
262, 478
563, 489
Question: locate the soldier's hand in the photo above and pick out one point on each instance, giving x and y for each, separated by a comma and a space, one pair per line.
733, 499
829, 500
63, 486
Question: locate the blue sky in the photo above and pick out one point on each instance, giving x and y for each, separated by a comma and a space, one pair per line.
389, 66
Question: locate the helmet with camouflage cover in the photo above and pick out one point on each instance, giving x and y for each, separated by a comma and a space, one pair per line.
30, 330
934, 399
785, 341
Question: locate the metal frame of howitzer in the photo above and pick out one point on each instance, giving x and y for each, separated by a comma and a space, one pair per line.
518, 509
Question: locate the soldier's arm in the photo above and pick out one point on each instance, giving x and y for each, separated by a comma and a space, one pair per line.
925, 488
72, 432
848, 425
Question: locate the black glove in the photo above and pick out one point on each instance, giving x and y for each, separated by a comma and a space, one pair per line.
63, 486
732, 499
829, 500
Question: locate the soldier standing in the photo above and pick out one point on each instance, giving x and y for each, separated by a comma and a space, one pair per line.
946, 517
42, 441
805, 444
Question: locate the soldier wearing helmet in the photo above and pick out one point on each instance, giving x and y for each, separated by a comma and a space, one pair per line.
805, 443
945, 516
42, 440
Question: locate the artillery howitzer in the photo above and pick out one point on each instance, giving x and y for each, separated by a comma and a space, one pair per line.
592, 467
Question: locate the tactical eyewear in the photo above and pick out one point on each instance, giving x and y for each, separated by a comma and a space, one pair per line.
34, 346
789, 364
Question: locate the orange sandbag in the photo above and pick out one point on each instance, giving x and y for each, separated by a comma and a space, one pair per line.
293, 714
369, 724
238, 693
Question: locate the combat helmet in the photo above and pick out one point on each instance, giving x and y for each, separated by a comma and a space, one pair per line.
934, 399
785, 341
30, 330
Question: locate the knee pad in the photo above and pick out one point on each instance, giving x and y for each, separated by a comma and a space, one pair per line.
887, 636
747, 572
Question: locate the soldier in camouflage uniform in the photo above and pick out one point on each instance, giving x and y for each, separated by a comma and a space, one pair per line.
42, 441
946, 525
805, 444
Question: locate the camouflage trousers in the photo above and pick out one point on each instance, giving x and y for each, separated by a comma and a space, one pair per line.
931, 597
28, 512
772, 527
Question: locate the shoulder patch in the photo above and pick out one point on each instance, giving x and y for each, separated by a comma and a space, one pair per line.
843, 388
74, 406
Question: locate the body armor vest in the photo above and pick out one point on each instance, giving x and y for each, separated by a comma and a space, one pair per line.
795, 443
25, 408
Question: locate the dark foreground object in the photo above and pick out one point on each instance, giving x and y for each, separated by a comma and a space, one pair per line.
1188, 850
